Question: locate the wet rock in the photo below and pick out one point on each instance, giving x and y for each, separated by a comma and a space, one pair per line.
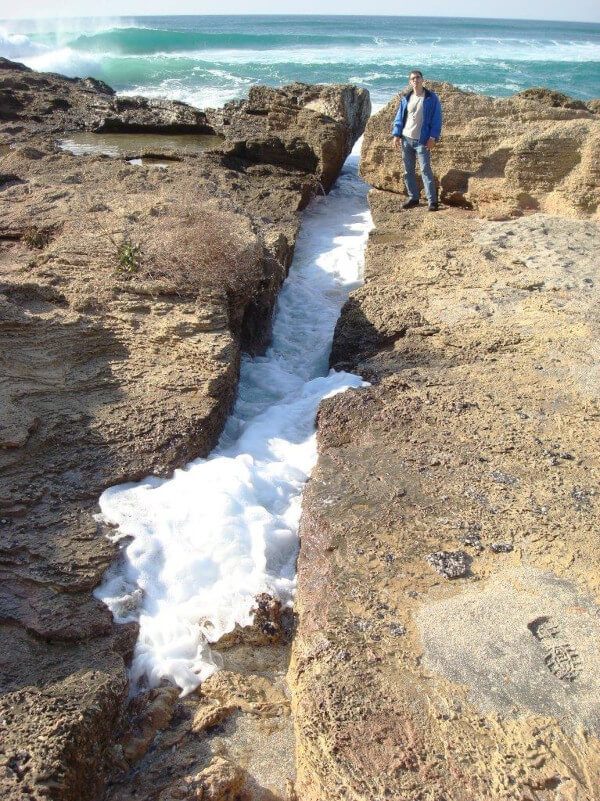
240, 714
267, 616
450, 564
210, 714
268, 626
115, 369
220, 781
147, 713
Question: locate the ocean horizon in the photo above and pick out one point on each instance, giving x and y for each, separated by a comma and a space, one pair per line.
208, 60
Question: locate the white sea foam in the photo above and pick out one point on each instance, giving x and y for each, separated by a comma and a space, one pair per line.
401, 53
65, 61
43, 44
223, 529
202, 94
17, 46
199, 97
63, 56
45, 58
369, 76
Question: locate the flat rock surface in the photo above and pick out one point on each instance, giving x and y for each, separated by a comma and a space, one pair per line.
479, 436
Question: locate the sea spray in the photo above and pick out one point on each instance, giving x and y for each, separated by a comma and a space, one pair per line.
199, 547
207, 60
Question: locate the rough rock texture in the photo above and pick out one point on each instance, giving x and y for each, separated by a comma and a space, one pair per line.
312, 128
480, 430
300, 127
126, 295
234, 735
38, 103
534, 150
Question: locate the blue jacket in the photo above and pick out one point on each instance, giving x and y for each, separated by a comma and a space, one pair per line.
432, 116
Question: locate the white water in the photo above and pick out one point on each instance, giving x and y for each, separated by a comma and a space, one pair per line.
223, 529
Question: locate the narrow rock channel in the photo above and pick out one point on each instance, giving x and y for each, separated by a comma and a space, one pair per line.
199, 547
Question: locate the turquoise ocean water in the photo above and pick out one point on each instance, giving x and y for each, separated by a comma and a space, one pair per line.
207, 60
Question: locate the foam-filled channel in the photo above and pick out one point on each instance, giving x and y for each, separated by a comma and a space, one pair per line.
198, 548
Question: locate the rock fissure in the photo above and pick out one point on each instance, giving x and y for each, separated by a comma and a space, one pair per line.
132, 372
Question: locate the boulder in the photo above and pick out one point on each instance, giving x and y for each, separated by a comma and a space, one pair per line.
535, 150
304, 127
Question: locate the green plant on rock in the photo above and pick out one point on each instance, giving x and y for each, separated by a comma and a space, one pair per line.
129, 257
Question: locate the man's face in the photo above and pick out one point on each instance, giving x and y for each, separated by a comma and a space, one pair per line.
416, 81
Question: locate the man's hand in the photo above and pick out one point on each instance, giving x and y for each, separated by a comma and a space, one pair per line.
397, 141
430, 143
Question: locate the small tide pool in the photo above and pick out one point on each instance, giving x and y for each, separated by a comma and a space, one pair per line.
137, 145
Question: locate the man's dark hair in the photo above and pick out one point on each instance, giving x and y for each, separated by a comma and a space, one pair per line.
415, 72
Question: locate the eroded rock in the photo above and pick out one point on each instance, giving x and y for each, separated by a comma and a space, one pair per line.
535, 150
55, 103
312, 128
479, 339
146, 714
120, 341
220, 781
241, 714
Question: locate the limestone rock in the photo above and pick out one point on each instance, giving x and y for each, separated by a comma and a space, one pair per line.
300, 127
536, 150
120, 342
269, 625
305, 127
50, 102
240, 714
220, 781
210, 714
147, 713
479, 429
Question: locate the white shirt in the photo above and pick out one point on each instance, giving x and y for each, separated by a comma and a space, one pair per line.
414, 116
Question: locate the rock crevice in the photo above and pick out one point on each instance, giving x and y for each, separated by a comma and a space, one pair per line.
127, 294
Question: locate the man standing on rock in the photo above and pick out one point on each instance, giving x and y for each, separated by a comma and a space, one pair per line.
418, 126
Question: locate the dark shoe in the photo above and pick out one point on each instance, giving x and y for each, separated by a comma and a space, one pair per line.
410, 204
434, 206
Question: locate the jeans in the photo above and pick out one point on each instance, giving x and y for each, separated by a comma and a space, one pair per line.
410, 150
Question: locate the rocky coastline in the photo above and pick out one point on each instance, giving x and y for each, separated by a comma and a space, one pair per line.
448, 582
447, 614
128, 291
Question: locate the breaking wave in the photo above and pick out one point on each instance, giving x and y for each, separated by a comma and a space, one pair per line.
209, 60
